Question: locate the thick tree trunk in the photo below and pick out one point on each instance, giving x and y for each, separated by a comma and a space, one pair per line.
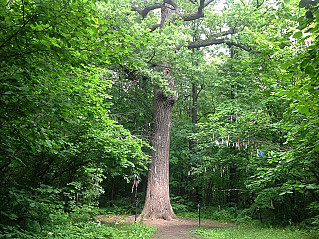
157, 202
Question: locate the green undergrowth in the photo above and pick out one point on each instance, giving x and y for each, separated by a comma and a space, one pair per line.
79, 226
208, 213
240, 216
255, 232
248, 225
97, 230
122, 206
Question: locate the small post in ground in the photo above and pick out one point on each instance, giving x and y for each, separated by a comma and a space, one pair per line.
259, 214
134, 186
198, 214
235, 209
136, 207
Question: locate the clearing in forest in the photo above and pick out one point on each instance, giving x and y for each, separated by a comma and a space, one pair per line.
174, 229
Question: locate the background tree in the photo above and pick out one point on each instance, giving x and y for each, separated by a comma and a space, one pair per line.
57, 140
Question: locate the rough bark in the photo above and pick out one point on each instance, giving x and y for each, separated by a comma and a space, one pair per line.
157, 201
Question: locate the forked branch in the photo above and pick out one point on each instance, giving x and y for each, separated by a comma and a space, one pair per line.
197, 13
214, 39
146, 10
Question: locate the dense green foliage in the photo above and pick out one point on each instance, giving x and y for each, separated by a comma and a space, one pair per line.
255, 142
75, 113
83, 224
254, 233
57, 140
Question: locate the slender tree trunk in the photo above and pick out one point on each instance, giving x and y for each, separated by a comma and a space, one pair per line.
194, 115
193, 195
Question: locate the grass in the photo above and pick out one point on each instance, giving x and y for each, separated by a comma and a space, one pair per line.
81, 226
209, 213
255, 232
96, 230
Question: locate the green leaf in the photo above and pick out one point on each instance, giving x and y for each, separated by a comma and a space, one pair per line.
285, 65
303, 109
310, 70
297, 35
283, 193
12, 216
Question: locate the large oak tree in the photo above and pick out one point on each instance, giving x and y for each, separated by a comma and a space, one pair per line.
157, 203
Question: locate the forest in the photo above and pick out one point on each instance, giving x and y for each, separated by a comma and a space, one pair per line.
159, 110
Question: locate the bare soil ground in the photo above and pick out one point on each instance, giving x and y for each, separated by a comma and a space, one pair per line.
174, 229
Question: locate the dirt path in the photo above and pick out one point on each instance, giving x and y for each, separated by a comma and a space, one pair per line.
174, 229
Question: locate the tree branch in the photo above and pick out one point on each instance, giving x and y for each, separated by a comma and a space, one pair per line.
201, 6
259, 4
173, 4
22, 54
197, 13
201, 88
203, 43
17, 32
211, 40
154, 27
146, 10
68, 168
215, 40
